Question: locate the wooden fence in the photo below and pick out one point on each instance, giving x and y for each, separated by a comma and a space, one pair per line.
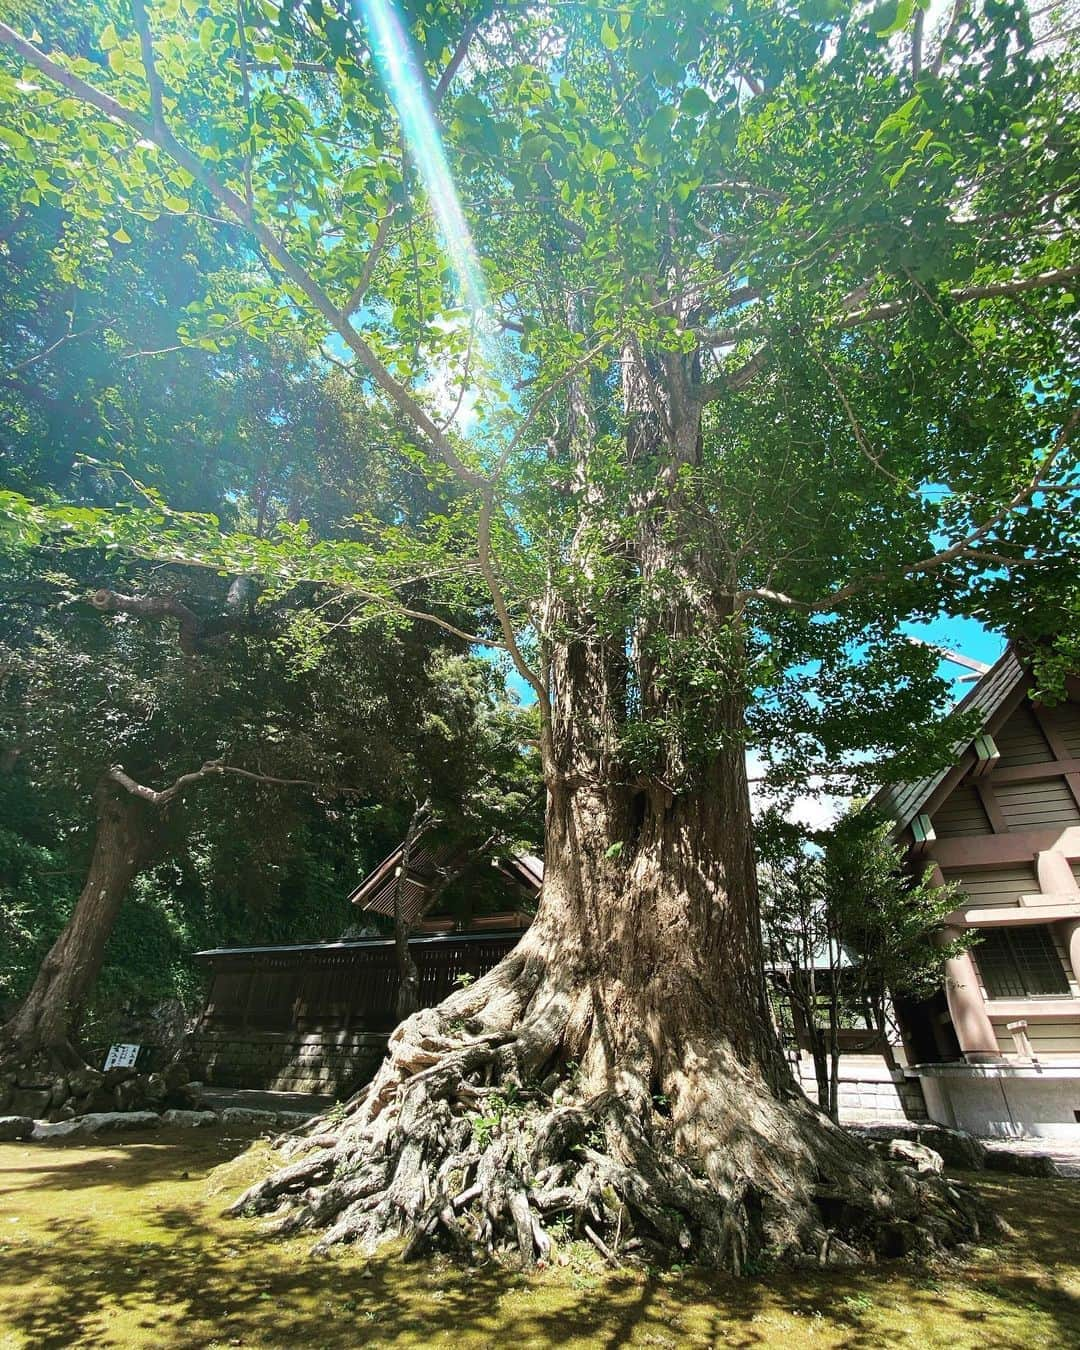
339, 986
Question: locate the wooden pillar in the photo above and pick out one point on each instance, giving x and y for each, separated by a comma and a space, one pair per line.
1070, 934
1055, 874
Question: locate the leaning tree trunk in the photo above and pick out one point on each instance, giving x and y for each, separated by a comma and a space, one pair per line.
619, 1068
47, 1021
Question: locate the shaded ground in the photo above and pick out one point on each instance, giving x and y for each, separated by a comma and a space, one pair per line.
122, 1245
217, 1099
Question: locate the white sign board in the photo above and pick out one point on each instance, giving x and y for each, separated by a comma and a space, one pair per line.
122, 1056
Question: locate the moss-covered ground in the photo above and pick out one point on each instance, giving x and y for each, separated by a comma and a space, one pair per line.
123, 1244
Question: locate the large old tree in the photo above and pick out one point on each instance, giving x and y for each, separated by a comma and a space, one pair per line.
763, 342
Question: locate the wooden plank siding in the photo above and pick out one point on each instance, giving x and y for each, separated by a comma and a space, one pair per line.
1031, 806
1048, 1039
962, 813
337, 986
1021, 739
1002, 886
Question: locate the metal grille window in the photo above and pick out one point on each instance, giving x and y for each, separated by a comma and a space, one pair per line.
1020, 962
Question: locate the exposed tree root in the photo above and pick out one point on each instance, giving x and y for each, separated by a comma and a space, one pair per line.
480, 1137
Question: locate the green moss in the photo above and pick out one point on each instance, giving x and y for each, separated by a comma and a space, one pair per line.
124, 1245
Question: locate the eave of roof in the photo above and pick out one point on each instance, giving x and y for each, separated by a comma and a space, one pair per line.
377, 892
903, 801
353, 944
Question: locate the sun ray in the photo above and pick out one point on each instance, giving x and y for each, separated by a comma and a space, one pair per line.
405, 82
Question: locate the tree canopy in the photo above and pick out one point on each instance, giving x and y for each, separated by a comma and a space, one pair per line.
853, 237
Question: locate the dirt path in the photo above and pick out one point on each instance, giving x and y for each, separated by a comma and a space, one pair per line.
122, 1245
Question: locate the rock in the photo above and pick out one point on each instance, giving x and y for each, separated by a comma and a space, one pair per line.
1021, 1164
131, 1094
957, 1148
155, 1090
30, 1101
98, 1100
192, 1096
15, 1127
923, 1159
176, 1076
58, 1093
192, 1120
99, 1122
61, 1129
247, 1115
84, 1082
112, 1078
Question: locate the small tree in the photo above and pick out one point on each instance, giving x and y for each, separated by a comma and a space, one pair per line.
847, 924
887, 917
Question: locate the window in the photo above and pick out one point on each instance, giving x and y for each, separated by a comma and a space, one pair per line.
1020, 962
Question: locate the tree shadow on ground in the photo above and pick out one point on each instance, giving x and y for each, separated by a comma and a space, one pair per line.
131, 1260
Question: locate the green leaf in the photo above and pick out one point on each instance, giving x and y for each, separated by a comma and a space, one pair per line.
121, 236
608, 36
695, 102
17, 141
891, 18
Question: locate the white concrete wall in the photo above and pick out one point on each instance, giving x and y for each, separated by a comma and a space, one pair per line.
867, 1089
1004, 1106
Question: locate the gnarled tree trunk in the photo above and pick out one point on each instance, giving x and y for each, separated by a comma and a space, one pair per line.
47, 1021
619, 1068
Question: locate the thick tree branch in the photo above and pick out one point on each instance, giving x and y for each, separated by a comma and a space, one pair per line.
180, 785
154, 607
153, 79
917, 43
951, 30
891, 309
487, 569
1016, 286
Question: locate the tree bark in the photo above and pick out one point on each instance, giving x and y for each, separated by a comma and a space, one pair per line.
47, 1021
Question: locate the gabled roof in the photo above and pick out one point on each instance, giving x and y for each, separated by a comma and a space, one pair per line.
426, 862
904, 801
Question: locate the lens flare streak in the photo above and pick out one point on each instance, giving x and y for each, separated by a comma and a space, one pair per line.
406, 84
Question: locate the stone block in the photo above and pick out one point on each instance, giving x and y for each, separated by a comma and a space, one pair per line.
101, 1122
30, 1101
15, 1127
923, 1159
246, 1115
1021, 1164
60, 1129
189, 1120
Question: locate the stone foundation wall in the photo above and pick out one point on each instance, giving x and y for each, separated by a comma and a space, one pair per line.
333, 1063
868, 1090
